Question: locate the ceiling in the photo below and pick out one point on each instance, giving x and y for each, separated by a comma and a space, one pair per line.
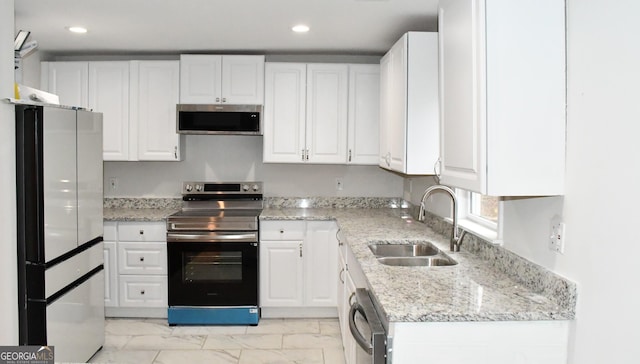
180, 26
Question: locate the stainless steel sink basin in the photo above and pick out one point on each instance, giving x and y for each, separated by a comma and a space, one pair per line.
418, 261
404, 250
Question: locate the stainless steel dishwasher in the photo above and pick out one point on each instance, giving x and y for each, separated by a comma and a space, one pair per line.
367, 329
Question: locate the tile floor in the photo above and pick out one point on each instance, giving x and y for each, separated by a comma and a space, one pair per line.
153, 341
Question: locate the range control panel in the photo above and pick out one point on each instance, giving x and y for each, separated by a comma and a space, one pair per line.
221, 188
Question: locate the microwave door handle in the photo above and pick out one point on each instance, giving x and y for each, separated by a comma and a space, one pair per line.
357, 335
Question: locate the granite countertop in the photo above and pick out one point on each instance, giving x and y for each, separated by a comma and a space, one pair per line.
489, 283
476, 289
139, 214
139, 209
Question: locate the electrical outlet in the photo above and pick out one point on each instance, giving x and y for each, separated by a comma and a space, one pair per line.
557, 236
113, 183
339, 185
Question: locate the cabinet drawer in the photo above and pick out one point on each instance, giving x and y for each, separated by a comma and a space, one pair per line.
142, 258
142, 231
143, 291
110, 231
282, 230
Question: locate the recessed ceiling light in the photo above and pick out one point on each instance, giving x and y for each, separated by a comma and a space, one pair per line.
300, 28
77, 29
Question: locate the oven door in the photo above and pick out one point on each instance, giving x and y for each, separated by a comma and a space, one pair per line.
212, 273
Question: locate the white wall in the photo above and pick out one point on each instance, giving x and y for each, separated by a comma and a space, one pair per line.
600, 207
239, 158
8, 253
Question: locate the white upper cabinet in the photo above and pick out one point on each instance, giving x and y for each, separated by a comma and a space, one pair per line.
306, 113
326, 126
364, 114
68, 80
502, 87
109, 94
409, 124
217, 79
284, 112
136, 98
318, 113
154, 95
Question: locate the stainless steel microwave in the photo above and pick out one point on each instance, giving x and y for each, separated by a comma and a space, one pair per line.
219, 119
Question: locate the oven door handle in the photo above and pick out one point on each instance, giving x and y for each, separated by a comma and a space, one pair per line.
357, 335
250, 237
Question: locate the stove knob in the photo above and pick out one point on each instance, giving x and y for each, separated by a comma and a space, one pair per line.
198, 188
188, 188
245, 187
255, 188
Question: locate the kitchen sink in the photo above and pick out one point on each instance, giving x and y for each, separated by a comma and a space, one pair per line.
418, 261
412, 254
404, 250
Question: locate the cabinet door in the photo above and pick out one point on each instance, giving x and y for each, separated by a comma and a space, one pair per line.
109, 94
110, 274
142, 258
397, 117
68, 80
321, 258
154, 95
326, 126
284, 112
243, 79
200, 79
385, 111
143, 291
462, 97
281, 273
364, 111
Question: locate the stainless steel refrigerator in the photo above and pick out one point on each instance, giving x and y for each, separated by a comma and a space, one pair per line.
59, 209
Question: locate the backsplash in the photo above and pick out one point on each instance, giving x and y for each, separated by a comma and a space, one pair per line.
334, 202
141, 203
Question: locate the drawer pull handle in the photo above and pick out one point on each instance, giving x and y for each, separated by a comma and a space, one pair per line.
142, 259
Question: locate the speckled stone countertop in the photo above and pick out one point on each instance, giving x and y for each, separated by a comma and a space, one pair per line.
488, 283
139, 209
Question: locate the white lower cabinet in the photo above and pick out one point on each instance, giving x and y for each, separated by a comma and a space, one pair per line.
136, 270
501, 342
297, 268
348, 274
110, 274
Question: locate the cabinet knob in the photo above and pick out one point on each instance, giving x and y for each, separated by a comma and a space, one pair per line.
141, 232
142, 292
217, 99
142, 259
281, 231
224, 99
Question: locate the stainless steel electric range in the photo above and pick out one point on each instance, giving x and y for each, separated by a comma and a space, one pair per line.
212, 249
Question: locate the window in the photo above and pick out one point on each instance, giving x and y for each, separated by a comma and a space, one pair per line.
480, 214
484, 208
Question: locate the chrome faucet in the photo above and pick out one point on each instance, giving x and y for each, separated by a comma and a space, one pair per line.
456, 240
